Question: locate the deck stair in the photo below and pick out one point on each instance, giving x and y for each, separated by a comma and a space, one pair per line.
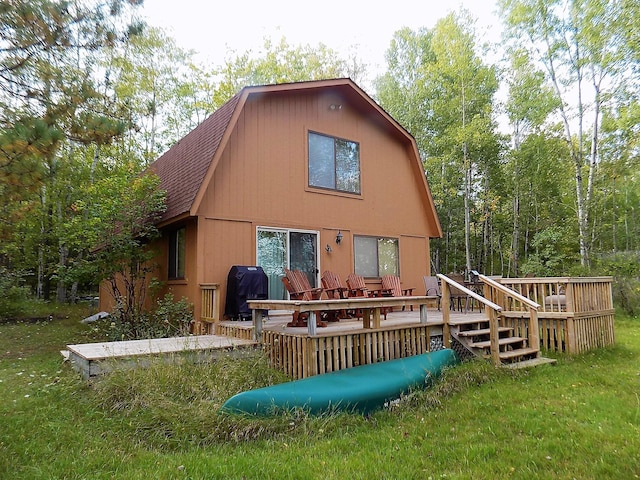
474, 335
493, 335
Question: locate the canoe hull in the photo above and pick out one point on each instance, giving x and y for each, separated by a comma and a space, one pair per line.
362, 389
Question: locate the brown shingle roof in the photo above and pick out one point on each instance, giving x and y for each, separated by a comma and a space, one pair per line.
183, 167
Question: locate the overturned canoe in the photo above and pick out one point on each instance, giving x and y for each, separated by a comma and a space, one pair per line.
362, 389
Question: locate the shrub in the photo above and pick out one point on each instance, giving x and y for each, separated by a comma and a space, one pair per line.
14, 294
624, 267
168, 319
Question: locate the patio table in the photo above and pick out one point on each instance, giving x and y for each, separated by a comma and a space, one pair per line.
371, 308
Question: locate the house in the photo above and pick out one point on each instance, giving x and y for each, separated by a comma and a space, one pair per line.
313, 175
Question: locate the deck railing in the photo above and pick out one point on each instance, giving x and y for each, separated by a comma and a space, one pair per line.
492, 310
510, 298
209, 308
301, 356
576, 313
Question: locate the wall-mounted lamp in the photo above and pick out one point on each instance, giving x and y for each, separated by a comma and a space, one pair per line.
328, 248
335, 106
339, 237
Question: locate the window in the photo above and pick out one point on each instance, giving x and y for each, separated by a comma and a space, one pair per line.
334, 163
177, 249
279, 249
375, 256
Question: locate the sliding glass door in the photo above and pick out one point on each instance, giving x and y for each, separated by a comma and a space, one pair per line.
279, 249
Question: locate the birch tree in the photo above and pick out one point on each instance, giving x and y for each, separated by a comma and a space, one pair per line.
579, 45
448, 107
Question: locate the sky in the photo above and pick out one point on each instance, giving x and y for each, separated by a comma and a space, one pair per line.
213, 29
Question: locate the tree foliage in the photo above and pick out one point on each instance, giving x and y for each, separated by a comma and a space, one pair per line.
581, 46
447, 104
282, 63
118, 215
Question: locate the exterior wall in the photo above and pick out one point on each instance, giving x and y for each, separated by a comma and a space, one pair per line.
187, 287
261, 180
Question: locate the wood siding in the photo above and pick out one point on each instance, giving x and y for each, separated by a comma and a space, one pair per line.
261, 180
258, 177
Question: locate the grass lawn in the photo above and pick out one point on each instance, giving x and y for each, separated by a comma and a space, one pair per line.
578, 419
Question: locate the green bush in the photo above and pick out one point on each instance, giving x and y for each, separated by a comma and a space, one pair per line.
624, 267
14, 294
168, 319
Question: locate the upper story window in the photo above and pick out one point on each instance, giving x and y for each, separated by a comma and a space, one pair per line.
177, 250
334, 163
375, 256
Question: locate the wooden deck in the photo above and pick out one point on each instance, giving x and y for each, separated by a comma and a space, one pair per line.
92, 359
346, 343
570, 315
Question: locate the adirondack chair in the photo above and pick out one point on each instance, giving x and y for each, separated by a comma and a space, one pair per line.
297, 284
432, 287
356, 285
358, 288
333, 286
335, 289
391, 287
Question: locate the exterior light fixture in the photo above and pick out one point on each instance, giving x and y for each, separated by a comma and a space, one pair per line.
339, 237
335, 106
328, 248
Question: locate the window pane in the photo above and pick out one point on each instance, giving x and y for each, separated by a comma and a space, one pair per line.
321, 161
366, 256
272, 257
303, 254
347, 166
181, 250
177, 252
388, 256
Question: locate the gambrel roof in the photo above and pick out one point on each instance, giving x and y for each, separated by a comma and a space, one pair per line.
187, 167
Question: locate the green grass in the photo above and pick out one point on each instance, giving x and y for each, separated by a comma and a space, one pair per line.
577, 419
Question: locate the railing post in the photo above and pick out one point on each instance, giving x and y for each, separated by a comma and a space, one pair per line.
209, 305
446, 313
494, 337
534, 329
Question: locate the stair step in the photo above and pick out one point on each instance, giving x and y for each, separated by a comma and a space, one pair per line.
483, 331
501, 341
467, 321
521, 352
532, 362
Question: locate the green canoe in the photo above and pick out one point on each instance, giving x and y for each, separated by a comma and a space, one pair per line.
362, 389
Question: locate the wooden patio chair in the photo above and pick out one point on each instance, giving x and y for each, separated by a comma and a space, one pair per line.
392, 287
356, 285
358, 288
333, 286
456, 295
299, 288
335, 289
432, 287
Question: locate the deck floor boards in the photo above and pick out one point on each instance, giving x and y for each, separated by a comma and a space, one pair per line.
106, 350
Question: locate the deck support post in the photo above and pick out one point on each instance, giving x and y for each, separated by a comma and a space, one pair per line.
423, 314
257, 325
311, 324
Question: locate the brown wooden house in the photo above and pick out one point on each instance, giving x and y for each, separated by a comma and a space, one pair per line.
313, 176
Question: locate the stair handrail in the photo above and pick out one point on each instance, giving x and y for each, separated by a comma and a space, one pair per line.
470, 293
533, 327
492, 310
507, 291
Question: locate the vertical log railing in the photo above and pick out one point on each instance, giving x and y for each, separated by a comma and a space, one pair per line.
576, 313
209, 308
